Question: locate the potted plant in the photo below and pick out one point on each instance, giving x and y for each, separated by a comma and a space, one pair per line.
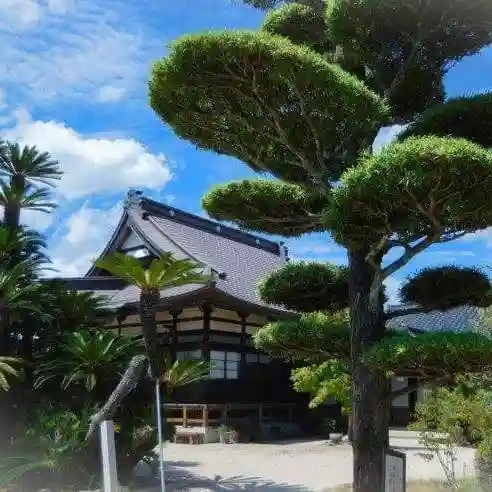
330, 427
227, 435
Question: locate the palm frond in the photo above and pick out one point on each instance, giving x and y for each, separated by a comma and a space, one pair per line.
185, 372
162, 273
7, 369
26, 196
28, 162
125, 267
84, 357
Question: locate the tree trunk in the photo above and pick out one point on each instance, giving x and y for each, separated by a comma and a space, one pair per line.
12, 210
371, 400
148, 305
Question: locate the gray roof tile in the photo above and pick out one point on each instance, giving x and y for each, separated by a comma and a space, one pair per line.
243, 258
243, 265
131, 294
458, 319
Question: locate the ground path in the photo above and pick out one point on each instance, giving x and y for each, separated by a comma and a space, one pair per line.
302, 466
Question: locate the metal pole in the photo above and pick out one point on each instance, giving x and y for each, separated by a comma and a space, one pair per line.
108, 452
159, 434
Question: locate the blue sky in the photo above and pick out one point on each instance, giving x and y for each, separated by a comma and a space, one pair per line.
74, 83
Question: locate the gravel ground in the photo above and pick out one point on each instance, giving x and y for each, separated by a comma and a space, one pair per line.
307, 466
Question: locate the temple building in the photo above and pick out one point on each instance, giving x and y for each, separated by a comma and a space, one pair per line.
216, 321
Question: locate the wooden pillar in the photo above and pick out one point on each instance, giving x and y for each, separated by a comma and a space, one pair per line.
206, 309
225, 409
244, 317
185, 416
412, 396
205, 416
174, 331
120, 318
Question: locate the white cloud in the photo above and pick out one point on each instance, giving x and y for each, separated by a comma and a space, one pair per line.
86, 233
91, 165
68, 49
20, 13
169, 199
36, 220
318, 247
108, 93
392, 291
60, 6
484, 236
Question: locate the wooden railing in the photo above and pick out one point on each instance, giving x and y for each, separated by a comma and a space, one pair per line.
205, 414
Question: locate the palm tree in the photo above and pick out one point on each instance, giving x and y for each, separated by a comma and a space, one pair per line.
15, 197
183, 372
17, 297
163, 273
25, 168
21, 244
88, 358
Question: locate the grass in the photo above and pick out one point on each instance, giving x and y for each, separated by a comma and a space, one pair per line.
468, 485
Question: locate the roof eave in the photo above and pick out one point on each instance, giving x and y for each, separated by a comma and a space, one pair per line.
217, 297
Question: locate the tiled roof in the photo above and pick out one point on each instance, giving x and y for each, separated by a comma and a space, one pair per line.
240, 260
458, 319
131, 294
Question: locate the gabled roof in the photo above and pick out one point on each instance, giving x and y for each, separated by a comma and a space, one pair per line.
239, 260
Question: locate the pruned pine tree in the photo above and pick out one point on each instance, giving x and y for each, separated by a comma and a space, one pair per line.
301, 101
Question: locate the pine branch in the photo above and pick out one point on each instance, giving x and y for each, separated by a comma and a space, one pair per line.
410, 252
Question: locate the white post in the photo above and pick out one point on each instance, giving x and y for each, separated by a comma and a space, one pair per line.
159, 433
108, 452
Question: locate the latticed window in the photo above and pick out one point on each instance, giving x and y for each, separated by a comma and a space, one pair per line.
257, 359
189, 355
224, 365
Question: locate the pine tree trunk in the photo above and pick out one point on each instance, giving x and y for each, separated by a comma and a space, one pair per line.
148, 306
371, 400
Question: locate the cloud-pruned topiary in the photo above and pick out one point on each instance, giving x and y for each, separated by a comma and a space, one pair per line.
300, 24
324, 287
463, 117
456, 286
248, 204
420, 187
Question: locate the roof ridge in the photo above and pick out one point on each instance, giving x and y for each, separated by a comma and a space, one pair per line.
152, 207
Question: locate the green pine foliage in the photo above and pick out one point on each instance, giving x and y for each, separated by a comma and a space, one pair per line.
412, 189
261, 109
302, 100
248, 203
456, 286
462, 117
313, 337
300, 24
324, 287
431, 355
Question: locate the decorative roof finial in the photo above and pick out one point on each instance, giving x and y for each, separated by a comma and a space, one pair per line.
133, 198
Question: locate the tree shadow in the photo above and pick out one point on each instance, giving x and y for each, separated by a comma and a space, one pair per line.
180, 479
